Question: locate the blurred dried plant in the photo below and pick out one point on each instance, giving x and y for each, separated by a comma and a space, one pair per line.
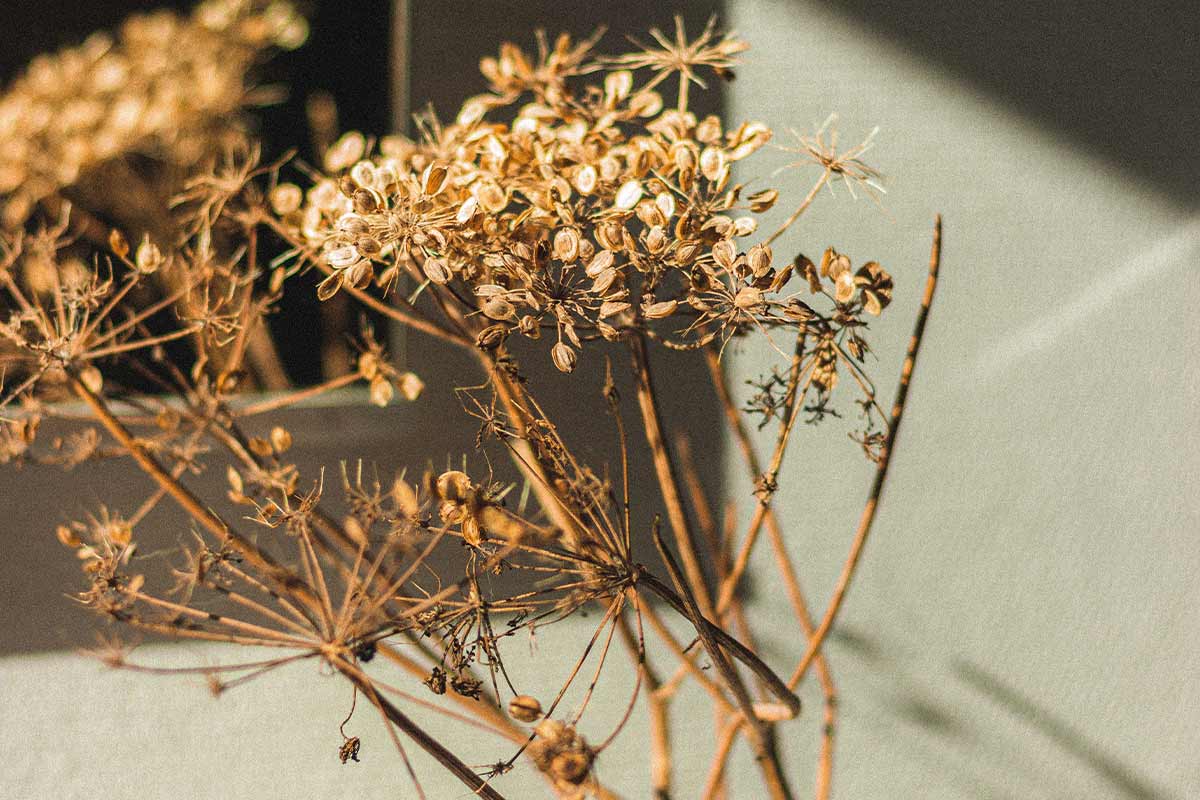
571, 205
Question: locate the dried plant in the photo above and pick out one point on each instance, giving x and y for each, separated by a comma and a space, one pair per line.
572, 206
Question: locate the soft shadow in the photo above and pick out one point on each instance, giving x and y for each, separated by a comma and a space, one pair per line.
1120, 777
1120, 80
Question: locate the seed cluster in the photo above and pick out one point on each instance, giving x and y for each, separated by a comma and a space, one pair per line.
166, 86
597, 210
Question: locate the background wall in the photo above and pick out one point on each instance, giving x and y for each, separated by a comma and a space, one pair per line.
1025, 623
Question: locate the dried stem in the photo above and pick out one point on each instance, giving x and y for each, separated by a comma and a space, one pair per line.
881, 471
667, 474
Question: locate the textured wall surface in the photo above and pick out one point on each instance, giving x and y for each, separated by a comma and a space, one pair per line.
1025, 622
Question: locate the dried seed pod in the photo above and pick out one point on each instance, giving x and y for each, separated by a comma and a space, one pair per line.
454, 486
359, 274
566, 245
365, 202
345, 152
286, 198
410, 386
563, 357
744, 226
611, 308
436, 270
492, 336
798, 311
763, 201
433, 180
148, 257
724, 253
530, 327
498, 308
524, 708
628, 195
599, 263
844, 287
660, 310
572, 766
604, 281
712, 163
758, 258
381, 391
749, 299
342, 257
646, 103
281, 440
586, 179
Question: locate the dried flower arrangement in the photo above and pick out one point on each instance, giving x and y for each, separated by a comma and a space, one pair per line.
571, 205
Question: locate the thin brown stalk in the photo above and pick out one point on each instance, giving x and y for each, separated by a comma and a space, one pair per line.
413, 731
881, 471
759, 736
787, 572
667, 474
188, 501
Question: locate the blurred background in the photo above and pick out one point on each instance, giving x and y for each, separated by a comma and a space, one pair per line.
1026, 623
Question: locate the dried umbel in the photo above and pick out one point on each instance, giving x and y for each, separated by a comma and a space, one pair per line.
604, 215
597, 212
167, 87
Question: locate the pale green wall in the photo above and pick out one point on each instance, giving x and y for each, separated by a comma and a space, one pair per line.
1039, 535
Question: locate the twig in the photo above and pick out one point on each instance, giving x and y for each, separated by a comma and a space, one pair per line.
885, 457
